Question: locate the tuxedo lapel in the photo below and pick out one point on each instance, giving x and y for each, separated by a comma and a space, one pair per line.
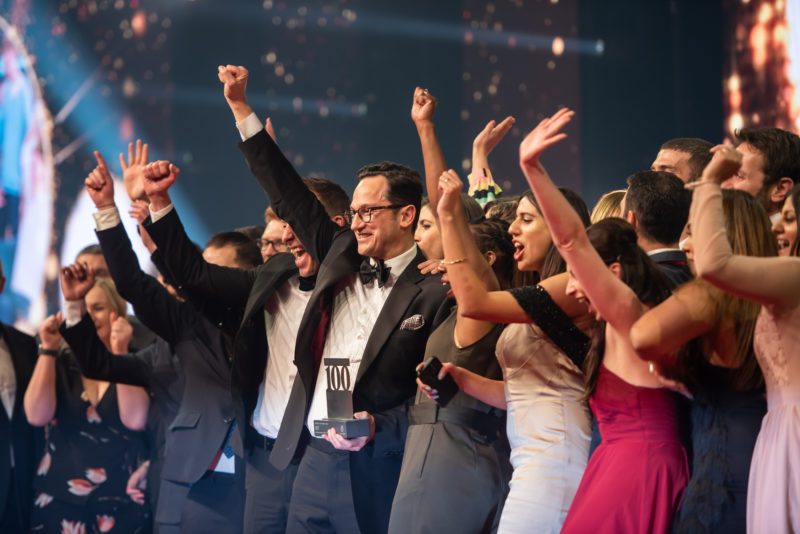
277, 270
394, 308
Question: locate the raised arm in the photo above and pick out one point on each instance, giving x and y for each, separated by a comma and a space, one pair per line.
771, 281
183, 261
454, 229
471, 279
154, 306
611, 297
422, 109
486, 140
97, 362
134, 402
288, 195
40, 397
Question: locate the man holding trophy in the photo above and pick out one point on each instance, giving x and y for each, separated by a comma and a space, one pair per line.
365, 327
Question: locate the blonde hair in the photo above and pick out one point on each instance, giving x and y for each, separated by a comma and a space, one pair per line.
118, 304
270, 215
608, 206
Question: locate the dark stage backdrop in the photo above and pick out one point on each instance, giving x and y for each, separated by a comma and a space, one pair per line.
337, 79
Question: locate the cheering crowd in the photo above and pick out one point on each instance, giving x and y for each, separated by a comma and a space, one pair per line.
624, 371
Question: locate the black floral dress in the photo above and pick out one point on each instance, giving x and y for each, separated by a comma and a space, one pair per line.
88, 458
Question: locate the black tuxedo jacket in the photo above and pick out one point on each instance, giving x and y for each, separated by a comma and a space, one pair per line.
239, 295
206, 410
27, 441
385, 383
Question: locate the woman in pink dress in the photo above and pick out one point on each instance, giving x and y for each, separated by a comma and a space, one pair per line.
635, 479
773, 494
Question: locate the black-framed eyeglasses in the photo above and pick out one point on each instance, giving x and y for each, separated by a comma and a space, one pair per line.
365, 212
265, 243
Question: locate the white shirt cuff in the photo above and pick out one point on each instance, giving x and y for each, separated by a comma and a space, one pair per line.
158, 214
73, 312
106, 218
249, 126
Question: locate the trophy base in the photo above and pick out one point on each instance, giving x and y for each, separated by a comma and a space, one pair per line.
347, 428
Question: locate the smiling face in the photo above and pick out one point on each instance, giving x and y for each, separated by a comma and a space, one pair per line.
785, 229
388, 234
530, 236
307, 265
99, 307
427, 235
272, 239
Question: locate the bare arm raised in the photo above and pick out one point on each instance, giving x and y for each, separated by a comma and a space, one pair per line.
769, 281
422, 109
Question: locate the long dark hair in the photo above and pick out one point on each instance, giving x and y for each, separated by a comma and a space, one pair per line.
794, 194
615, 241
749, 233
491, 235
553, 262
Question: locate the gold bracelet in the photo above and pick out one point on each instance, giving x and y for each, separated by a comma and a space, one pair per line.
694, 185
452, 262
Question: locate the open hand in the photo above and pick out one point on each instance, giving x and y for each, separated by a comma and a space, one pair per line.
76, 280
491, 135
423, 106
133, 168
434, 266
546, 134
99, 184
355, 444
137, 483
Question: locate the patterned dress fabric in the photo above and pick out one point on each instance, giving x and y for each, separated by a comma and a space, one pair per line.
88, 458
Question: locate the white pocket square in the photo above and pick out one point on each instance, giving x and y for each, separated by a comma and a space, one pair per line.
415, 322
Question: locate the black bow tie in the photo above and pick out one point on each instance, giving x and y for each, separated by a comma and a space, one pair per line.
369, 272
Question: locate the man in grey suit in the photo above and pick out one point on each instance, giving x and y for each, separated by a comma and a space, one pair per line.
370, 306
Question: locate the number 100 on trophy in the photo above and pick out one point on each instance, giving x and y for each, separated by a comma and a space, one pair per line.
340, 402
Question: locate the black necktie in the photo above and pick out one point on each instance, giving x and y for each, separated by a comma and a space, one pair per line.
369, 272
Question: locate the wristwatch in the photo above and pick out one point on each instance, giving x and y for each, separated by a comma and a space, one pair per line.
48, 352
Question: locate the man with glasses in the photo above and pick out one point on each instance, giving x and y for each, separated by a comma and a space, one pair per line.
271, 241
370, 306
268, 302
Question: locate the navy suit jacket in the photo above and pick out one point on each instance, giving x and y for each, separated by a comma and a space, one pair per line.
674, 266
26, 440
385, 383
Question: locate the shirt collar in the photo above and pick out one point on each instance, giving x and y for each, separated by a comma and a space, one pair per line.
399, 263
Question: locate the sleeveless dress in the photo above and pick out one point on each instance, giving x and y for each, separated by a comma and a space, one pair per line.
454, 475
88, 457
635, 479
548, 420
725, 425
773, 493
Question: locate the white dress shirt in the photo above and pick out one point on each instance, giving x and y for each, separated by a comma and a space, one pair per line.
282, 314
356, 307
